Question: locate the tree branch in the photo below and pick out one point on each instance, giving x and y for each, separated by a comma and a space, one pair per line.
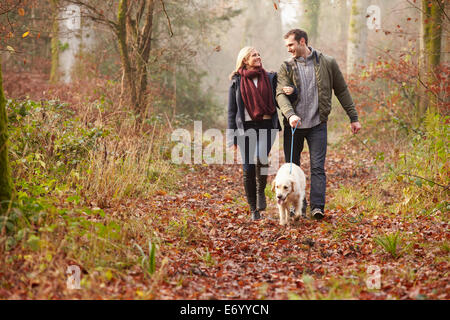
9, 9
399, 173
442, 9
415, 176
140, 13
98, 16
168, 19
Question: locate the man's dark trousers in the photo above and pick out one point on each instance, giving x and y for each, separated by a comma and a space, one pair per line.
317, 144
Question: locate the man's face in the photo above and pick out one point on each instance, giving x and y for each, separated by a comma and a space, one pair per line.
294, 47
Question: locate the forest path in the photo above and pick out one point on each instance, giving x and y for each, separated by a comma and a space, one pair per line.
220, 253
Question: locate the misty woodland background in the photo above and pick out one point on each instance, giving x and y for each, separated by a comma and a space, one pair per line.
92, 90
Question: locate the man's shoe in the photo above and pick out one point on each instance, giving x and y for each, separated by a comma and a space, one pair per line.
317, 213
256, 215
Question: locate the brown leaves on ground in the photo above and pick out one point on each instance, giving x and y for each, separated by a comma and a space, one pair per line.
210, 249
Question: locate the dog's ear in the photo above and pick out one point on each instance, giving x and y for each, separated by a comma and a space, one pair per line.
273, 185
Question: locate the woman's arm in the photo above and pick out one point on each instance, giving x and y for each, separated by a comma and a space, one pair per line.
232, 107
232, 111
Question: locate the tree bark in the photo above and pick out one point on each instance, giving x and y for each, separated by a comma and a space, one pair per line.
144, 47
54, 72
429, 56
6, 186
133, 28
343, 25
311, 22
121, 32
357, 37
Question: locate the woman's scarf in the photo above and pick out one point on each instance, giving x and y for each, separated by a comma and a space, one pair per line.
257, 100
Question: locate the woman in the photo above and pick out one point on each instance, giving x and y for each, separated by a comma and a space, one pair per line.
252, 112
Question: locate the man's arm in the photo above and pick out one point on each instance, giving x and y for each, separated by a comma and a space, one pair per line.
341, 91
282, 99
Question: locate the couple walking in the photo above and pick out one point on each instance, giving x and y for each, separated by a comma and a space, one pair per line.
302, 90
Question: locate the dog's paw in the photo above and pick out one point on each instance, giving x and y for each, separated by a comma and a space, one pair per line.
291, 212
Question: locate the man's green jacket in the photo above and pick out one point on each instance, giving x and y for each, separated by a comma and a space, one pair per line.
328, 77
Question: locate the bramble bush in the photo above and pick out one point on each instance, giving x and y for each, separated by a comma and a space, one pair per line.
410, 147
68, 164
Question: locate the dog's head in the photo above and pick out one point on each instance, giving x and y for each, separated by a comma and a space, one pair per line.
283, 188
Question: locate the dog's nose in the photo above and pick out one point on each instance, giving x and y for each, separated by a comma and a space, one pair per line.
279, 196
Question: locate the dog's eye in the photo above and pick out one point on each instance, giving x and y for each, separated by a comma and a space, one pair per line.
285, 187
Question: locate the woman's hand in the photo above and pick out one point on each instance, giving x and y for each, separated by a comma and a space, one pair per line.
288, 90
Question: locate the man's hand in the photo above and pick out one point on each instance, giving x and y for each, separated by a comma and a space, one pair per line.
356, 126
288, 90
293, 121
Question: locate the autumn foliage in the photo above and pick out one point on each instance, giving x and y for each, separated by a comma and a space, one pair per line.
95, 188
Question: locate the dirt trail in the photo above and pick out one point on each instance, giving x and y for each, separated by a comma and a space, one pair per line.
228, 256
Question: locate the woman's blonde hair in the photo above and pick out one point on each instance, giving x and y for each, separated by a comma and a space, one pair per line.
242, 55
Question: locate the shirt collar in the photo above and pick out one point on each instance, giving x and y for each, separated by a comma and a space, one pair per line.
310, 57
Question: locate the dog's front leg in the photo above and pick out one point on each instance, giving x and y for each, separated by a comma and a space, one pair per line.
283, 215
298, 210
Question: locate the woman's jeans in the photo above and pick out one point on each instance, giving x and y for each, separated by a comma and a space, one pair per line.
255, 145
317, 143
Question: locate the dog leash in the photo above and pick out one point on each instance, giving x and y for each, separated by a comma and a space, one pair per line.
292, 145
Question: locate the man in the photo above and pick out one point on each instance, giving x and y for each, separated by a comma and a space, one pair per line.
313, 76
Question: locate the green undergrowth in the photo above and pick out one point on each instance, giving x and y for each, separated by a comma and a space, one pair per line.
54, 149
72, 170
411, 177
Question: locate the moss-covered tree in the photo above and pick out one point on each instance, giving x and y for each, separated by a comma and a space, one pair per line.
5, 172
430, 54
54, 72
133, 27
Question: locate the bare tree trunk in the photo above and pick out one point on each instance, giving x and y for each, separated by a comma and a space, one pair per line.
445, 37
311, 21
6, 186
123, 47
445, 47
144, 47
54, 72
133, 29
258, 16
430, 54
357, 37
343, 26
174, 98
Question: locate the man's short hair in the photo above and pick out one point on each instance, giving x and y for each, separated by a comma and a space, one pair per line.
298, 33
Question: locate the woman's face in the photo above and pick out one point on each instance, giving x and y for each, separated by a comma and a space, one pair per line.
254, 60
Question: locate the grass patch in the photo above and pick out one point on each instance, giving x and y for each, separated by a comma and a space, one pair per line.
72, 169
392, 243
332, 289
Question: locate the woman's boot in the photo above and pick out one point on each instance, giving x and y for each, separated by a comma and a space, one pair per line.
250, 192
261, 182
